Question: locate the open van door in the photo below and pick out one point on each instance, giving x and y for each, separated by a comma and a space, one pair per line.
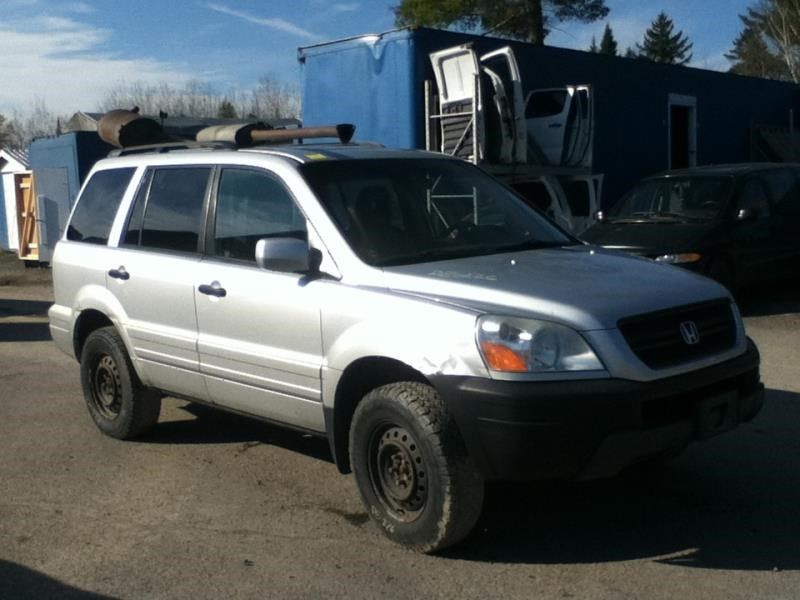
456, 71
560, 122
502, 68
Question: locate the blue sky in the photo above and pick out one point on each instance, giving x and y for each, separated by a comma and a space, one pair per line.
67, 54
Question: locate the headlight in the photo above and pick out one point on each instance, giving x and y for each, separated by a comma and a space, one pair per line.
676, 259
513, 345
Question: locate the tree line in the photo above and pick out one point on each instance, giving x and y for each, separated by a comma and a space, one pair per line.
269, 99
768, 45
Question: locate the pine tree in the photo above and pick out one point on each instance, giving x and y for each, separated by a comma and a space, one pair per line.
608, 45
226, 110
769, 44
521, 19
660, 44
751, 55
593, 47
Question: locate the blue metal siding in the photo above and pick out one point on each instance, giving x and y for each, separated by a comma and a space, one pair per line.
380, 89
368, 82
3, 223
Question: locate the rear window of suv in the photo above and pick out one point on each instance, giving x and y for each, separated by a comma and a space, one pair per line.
94, 215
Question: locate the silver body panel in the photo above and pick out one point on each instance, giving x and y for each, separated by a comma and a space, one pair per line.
277, 344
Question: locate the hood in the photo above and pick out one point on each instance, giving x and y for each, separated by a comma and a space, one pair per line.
583, 287
651, 239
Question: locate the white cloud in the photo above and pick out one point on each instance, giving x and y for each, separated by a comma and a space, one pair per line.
346, 7
713, 62
81, 8
276, 23
63, 63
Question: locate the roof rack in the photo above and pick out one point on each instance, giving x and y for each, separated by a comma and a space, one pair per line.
134, 134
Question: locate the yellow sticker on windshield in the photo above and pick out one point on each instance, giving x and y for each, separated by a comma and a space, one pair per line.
316, 156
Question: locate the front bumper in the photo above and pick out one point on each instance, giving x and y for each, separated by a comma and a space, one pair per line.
587, 429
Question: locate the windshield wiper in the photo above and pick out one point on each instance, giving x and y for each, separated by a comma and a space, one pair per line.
644, 217
528, 245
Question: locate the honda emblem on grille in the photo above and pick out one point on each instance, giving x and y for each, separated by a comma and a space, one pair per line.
689, 333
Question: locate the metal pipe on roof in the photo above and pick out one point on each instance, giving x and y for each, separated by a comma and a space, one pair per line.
125, 128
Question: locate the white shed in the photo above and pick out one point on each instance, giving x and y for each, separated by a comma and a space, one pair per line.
14, 169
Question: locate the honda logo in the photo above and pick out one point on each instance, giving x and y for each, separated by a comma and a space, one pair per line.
689, 333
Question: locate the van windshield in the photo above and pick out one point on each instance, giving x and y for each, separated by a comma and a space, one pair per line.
396, 211
673, 199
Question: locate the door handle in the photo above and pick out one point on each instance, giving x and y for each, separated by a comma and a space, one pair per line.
215, 289
555, 125
120, 273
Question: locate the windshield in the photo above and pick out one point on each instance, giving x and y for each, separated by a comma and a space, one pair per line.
673, 199
405, 211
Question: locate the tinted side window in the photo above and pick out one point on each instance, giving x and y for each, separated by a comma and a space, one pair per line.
252, 205
784, 188
133, 230
174, 214
754, 197
578, 197
545, 104
98, 205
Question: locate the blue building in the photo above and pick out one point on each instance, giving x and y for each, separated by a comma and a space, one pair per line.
648, 117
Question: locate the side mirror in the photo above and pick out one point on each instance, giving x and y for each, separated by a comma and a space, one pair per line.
283, 254
747, 214
599, 216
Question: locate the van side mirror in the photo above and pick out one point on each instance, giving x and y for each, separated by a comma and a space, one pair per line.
747, 214
283, 254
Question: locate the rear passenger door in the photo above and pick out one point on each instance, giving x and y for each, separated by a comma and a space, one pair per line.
260, 341
153, 273
751, 238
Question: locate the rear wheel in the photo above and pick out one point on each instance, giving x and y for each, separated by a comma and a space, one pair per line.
119, 404
412, 469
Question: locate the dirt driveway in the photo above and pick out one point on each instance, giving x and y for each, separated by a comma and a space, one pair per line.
215, 506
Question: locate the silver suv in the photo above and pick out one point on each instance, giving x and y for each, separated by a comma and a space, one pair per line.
438, 331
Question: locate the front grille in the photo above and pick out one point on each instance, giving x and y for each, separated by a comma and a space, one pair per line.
657, 340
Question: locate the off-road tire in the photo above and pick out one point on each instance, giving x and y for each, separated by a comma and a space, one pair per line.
412, 468
119, 404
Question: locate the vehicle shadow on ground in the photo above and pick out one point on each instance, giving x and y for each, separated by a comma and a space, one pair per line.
24, 332
726, 504
769, 299
206, 425
23, 308
18, 581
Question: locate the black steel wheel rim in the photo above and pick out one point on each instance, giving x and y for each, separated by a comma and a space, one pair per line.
107, 387
397, 472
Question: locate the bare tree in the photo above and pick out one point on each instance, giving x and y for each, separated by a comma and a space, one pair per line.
36, 122
781, 23
270, 99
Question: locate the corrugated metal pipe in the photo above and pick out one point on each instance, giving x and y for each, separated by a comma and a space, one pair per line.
126, 128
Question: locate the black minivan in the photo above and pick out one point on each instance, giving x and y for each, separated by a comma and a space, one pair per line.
735, 223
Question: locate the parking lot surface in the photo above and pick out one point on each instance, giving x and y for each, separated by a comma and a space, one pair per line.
211, 505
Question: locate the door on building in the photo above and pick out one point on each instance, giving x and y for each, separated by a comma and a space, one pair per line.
26, 217
682, 124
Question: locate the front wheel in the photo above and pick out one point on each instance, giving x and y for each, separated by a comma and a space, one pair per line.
412, 469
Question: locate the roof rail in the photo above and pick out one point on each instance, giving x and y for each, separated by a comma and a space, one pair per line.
170, 147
